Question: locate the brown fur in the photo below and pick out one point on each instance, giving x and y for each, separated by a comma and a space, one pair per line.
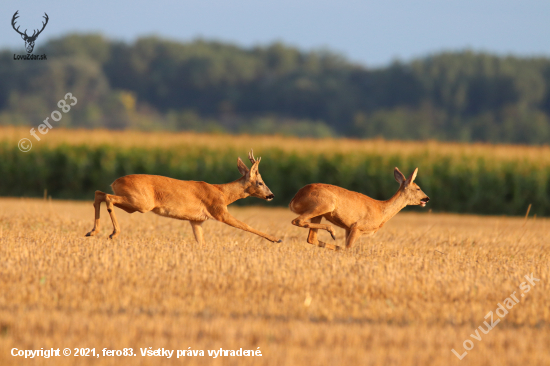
193, 201
356, 213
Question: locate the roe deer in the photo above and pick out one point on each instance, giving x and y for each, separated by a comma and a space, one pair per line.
184, 200
355, 212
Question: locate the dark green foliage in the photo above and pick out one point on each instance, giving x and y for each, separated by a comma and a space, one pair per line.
454, 184
211, 86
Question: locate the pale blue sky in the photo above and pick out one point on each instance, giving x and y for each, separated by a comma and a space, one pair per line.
372, 33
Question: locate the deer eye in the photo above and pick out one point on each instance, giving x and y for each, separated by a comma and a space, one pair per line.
260, 184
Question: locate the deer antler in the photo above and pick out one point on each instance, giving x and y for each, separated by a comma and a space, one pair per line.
43, 25
15, 16
34, 34
251, 157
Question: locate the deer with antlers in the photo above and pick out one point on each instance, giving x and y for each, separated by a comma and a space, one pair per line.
29, 40
193, 201
356, 213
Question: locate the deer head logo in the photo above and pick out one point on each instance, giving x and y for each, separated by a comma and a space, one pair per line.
29, 40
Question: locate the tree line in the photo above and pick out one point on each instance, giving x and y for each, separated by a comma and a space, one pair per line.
155, 83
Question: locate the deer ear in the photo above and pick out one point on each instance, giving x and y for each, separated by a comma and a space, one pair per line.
399, 177
242, 167
412, 177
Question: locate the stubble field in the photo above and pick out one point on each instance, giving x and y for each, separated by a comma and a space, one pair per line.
406, 296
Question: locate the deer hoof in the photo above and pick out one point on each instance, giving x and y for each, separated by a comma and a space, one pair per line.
280, 241
91, 233
333, 236
332, 247
113, 235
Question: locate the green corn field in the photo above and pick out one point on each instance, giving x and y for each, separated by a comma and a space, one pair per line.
481, 179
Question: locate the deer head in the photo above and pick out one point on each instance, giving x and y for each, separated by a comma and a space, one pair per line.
29, 40
254, 185
411, 190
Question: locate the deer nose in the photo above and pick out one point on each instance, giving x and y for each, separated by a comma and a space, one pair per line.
270, 197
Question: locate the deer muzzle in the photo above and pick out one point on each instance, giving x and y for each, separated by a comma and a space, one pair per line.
270, 197
424, 200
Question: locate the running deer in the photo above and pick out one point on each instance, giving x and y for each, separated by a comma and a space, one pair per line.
184, 200
356, 213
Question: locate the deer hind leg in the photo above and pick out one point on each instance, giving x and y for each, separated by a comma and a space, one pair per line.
302, 221
124, 203
312, 237
197, 231
315, 216
111, 201
99, 197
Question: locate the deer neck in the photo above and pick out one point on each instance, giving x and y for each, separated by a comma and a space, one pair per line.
233, 191
395, 204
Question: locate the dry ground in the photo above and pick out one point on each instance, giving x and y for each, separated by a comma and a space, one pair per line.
406, 296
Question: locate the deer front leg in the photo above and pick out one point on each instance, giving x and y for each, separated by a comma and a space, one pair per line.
197, 231
356, 230
226, 218
352, 235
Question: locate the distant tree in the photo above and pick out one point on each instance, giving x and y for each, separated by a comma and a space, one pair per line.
204, 85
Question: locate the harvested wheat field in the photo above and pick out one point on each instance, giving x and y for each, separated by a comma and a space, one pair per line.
406, 296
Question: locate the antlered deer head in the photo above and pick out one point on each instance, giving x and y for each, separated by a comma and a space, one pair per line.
29, 40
